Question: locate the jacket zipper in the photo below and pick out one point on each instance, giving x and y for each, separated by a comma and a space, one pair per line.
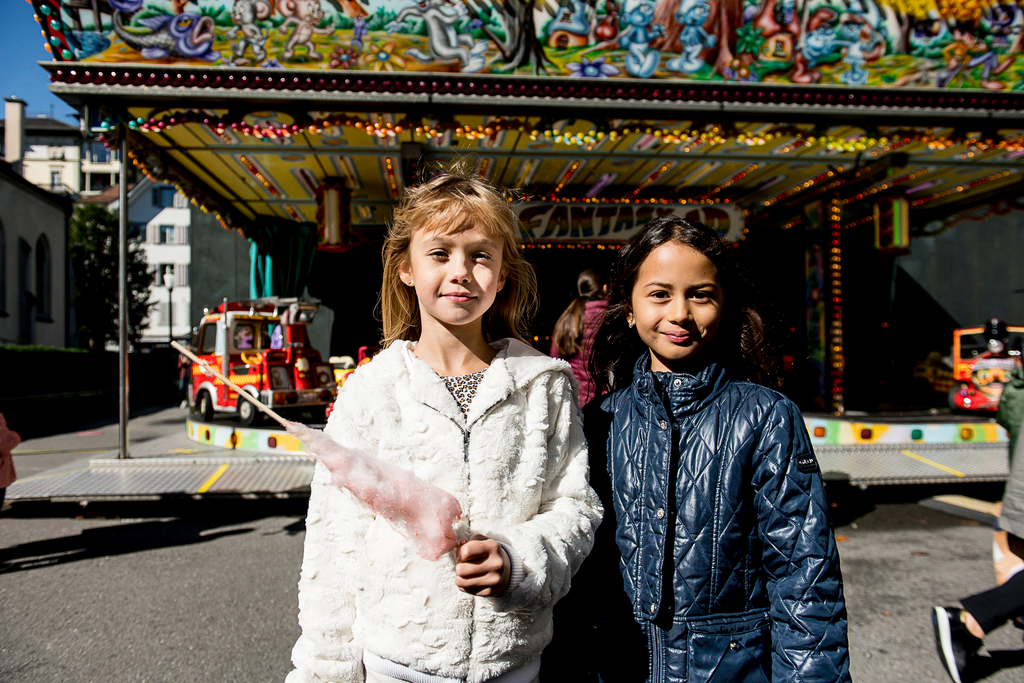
465, 458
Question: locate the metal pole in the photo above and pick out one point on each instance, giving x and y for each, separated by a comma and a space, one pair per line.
122, 325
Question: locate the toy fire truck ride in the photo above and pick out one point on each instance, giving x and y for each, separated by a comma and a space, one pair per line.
263, 346
983, 358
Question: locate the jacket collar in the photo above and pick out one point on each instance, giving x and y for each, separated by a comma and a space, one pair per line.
679, 393
515, 365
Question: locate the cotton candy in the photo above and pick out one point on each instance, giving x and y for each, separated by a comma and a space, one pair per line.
421, 512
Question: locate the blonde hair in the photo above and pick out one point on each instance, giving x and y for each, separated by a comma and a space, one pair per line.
450, 203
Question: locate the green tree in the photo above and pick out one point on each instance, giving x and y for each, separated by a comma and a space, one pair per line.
94, 257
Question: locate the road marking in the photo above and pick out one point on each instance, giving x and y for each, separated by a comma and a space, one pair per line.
926, 461
212, 480
966, 503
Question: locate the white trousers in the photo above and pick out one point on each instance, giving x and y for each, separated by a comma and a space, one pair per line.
374, 677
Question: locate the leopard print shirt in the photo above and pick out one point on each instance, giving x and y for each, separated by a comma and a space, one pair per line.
463, 388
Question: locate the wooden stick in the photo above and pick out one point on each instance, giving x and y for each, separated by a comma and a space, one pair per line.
216, 373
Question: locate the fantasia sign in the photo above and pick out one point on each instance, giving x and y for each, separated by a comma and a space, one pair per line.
880, 43
619, 222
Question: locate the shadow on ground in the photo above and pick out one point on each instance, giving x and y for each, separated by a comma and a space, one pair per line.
848, 504
152, 525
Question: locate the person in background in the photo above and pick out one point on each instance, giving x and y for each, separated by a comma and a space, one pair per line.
8, 441
959, 633
184, 374
575, 328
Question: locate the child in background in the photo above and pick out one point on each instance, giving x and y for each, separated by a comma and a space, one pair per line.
574, 330
717, 516
457, 398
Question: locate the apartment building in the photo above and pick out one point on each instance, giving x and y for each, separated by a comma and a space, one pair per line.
54, 155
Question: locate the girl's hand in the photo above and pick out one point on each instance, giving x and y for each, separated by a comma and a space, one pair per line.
481, 567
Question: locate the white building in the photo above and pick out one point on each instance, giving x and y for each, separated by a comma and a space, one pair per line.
161, 217
55, 155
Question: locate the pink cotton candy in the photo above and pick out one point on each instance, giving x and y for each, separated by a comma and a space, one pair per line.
421, 512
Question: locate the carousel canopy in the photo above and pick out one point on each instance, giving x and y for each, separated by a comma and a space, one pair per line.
258, 109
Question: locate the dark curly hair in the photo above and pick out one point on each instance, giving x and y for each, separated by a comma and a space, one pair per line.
741, 340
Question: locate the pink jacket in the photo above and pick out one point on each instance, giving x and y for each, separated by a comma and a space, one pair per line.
8, 440
593, 311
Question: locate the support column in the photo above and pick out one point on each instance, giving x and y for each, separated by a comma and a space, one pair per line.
122, 288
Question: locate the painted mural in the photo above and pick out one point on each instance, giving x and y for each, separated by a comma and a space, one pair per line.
974, 44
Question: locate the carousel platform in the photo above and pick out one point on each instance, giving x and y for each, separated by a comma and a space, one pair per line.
210, 459
227, 460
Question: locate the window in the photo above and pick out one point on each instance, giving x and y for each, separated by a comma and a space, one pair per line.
163, 197
166, 234
55, 179
96, 152
98, 182
208, 339
43, 288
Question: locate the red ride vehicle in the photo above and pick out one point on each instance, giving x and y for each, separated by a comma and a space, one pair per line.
263, 346
983, 358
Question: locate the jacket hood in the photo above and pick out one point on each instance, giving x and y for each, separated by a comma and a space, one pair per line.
515, 365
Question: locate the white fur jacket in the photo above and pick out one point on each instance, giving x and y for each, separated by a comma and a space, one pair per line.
517, 463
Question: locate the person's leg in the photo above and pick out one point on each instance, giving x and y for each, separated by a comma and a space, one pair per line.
995, 607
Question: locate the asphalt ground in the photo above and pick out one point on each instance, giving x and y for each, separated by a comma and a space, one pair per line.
206, 590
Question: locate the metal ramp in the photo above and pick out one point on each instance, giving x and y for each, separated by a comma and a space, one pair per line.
171, 466
913, 463
175, 466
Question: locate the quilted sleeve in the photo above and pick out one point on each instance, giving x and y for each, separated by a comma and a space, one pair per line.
801, 561
335, 526
551, 546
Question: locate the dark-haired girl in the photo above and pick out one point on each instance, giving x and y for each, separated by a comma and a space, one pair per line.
715, 513
574, 330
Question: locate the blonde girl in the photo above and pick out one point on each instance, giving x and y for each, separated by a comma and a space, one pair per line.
459, 399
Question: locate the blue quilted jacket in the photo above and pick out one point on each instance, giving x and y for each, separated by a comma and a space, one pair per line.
720, 532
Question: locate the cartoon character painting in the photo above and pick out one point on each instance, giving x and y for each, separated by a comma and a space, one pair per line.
638, 30
861, 44
965, 54
817, 43
444, 42
305, 16
183, 36
692, 14
246, 34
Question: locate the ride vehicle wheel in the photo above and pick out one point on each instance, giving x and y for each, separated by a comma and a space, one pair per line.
205, 404
248, 414
956, 409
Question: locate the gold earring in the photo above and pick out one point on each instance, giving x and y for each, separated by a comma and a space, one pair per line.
630, 323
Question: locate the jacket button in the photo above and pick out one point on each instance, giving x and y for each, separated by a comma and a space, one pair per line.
664, 424
676, 382
734, 646
660, 513
654, 608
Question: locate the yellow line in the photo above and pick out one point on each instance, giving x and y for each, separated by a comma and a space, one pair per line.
926, 461
212, 480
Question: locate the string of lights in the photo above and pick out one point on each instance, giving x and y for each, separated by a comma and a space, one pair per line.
835, 333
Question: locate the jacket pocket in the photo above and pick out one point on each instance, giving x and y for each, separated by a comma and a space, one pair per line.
736, 652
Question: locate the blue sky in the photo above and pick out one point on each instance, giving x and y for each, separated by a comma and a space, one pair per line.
20, 49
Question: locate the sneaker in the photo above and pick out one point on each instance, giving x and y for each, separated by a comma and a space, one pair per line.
957, 647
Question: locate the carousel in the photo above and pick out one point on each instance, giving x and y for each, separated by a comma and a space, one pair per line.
822, 137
